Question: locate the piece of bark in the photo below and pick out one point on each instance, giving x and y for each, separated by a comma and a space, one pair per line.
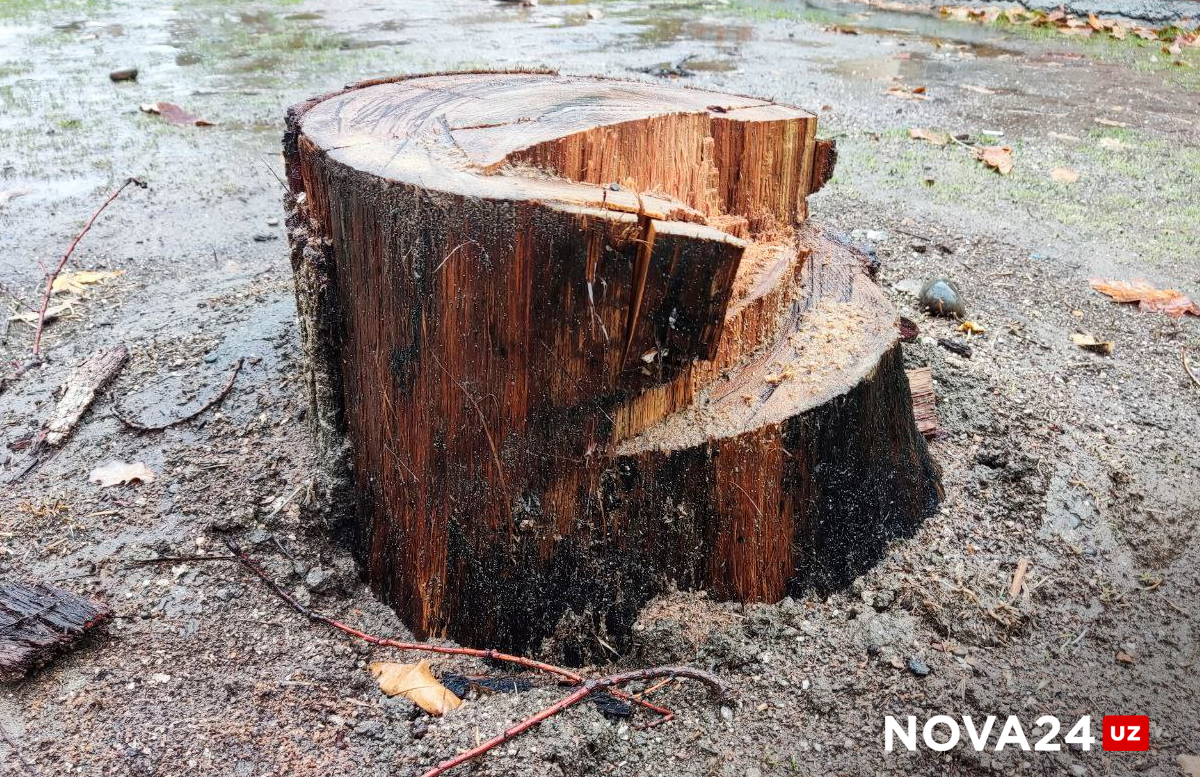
39, 621
571, 341
80, 390
920, 385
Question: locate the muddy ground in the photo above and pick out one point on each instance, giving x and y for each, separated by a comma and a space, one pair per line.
1085, 465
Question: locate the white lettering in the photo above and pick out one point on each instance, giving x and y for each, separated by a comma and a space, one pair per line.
1012, 734
891, 728
934, 722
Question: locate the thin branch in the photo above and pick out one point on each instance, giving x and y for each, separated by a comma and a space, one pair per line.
53, 274
139, 426
1187, 367
16, 751
142, 562
572, 678
567, 677
588, 688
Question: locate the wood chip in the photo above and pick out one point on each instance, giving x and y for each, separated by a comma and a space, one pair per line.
920, 385
1018, 580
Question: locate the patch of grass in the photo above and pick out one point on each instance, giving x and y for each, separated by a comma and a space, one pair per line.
1140, 199
21, 10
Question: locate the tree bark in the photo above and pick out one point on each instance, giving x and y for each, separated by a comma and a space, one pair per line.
571, 342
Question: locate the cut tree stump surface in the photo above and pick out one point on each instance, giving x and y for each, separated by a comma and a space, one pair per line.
39, 621
572, 341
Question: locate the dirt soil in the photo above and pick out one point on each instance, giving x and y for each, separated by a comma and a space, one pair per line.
1083, 464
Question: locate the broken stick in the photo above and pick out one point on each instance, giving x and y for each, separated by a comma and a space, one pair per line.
80, 389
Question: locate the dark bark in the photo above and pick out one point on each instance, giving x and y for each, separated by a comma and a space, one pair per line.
39, 621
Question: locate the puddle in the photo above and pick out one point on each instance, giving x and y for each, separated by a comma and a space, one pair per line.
665, 29
41, 191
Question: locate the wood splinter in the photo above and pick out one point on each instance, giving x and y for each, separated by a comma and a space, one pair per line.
572, 341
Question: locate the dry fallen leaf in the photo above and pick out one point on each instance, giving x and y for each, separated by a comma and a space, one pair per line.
971, 328
52, 312
416, 683
933, 136
1117, 31
8, 195
1064, 175
1089, 343
978, 89
916, 93
1189, 765
173, 114
1170, 301
1111, 123
1111, 144
76, 281
116, 473
998, 158
1125, 658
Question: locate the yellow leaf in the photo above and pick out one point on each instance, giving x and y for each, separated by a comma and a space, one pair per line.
76, 281
998, 158
52, 312
971, 328
933, 136
1064, 175
416, 683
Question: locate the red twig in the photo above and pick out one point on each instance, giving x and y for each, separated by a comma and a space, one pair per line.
585, 688
573, 678
52, 275
582, 692
139, 426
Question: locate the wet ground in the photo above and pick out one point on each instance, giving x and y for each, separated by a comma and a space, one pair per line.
1084, 464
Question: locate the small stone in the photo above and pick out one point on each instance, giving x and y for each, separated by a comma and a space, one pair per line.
940, 297
594, 13
210, 358
316, 579
124, 74
272, 222
727, 714
1078, 770
918, 667
753, 771
911, 286
265, 238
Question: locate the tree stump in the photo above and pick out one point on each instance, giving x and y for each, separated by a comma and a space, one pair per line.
571, 341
